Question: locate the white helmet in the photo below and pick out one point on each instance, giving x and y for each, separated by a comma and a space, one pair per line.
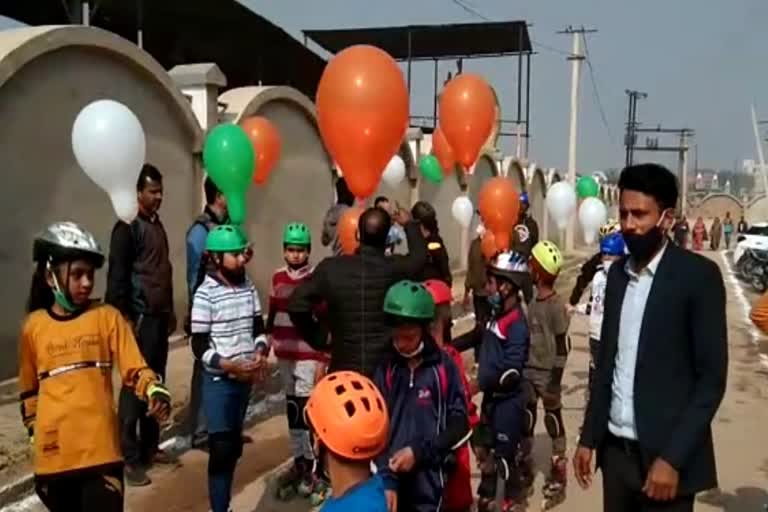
510, 265
66, 241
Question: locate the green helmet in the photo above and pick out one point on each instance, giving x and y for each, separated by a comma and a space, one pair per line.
226, 238
409, 299
297, 233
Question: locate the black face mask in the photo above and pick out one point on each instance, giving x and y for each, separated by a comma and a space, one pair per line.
235, 277
642, 247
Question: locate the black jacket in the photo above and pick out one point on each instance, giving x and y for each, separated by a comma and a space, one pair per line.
586, 274
681, 370
438, 264
353, 288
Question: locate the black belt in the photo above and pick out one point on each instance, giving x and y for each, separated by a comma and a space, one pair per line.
628, 446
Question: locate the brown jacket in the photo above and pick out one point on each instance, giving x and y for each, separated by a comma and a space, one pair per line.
65, 381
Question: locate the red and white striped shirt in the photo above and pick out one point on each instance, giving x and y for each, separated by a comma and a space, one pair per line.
286, 340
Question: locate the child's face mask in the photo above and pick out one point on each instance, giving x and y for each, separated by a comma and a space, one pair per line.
407, 340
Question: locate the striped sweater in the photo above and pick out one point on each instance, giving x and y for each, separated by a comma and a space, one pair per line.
286, 340
226, 314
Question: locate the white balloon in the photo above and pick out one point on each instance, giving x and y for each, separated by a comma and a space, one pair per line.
109, 144
394, 172
561, 203
463, 210
592, 215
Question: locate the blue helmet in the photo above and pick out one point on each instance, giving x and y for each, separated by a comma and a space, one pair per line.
524, 198
612, 245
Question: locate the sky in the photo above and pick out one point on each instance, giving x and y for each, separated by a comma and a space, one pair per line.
701, 62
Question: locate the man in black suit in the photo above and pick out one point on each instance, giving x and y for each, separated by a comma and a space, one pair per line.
662, 362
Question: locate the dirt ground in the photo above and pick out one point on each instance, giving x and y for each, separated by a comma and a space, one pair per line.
740, 432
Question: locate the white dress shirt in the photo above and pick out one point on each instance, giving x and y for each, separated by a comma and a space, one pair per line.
622, 418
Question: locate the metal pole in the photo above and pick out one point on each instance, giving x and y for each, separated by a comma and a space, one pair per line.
760, 155
520, 79
434, 105
628, 142
86, 20
576, 58
684, 171
140, 23
527, 103
409, 65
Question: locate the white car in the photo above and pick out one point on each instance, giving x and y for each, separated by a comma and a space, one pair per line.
756, 237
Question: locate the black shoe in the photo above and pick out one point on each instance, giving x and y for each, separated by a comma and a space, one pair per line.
136, 476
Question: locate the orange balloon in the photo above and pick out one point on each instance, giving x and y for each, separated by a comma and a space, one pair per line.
499, 205
502, 240
266, 144
346, 230
362, 109
488, 245
467, 112
443, 151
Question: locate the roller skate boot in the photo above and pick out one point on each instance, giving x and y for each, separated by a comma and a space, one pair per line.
555, 485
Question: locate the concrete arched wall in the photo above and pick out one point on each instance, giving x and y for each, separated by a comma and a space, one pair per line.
516, 174
757, 210
300, 187
716, 205
47, 75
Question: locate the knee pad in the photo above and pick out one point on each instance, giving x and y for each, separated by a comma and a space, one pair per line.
553, 421
294, 410
530, 419
300, 405
224, 449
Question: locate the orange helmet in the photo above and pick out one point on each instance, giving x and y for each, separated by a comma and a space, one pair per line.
349, 415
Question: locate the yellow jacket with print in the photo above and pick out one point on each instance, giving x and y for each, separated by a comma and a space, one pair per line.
65, 381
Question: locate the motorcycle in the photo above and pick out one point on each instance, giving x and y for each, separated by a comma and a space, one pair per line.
753, 268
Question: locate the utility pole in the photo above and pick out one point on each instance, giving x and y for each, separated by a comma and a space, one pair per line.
576, 58
681, 148
629, 138
760, 155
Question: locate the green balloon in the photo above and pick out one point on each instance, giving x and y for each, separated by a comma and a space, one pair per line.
587, 186
430, 168
229, 160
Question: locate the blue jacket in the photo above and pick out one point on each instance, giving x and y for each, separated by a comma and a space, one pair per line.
428, 412
367, 496
503, 352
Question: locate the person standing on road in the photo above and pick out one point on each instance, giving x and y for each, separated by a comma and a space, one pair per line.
662, 361
742, 226
699, 235
592, 265
140, 285
198, 265
680, 232
69, 346
715, 233
438, 263
228, 337
353, 287
344, 200
727, 229
474, 291
525, 236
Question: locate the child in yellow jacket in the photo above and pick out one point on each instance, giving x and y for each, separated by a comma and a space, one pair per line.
68, 347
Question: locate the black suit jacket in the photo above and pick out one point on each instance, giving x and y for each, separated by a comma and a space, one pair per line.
681, 370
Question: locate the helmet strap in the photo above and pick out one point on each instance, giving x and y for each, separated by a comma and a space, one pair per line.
61, 296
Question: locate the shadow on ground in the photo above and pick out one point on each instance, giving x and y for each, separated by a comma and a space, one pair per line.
743, 499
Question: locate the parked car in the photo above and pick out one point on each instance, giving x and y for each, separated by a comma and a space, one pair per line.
756, 238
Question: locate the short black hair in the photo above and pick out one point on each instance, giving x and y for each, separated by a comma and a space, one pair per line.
380, 199
374, 227
211, 191
651, 179
425, 213
148, 174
